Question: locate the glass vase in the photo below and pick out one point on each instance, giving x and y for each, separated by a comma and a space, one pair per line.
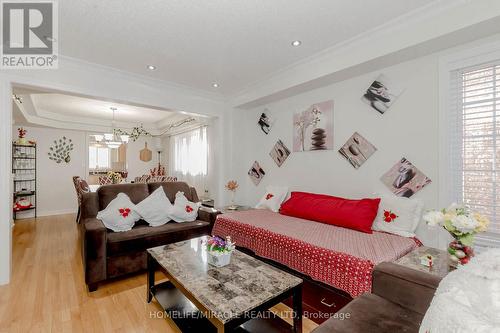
460, 254
232, 205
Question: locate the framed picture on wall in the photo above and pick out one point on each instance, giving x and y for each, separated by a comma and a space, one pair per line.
265, 122
381, 94
313, 128
357, 150
279, 153
404, 179
256, 173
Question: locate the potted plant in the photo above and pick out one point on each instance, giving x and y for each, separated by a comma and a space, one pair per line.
22, 136
463, 225
219, 251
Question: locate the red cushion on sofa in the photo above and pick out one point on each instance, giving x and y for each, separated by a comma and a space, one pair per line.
347, 213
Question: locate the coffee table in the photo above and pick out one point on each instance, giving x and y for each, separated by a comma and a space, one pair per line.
235, 298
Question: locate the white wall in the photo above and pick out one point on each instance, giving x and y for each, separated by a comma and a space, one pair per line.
101, 82
5, 181
135, 166
56, 194
409, 129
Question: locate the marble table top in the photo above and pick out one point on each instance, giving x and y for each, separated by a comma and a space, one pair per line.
441, 262
226, 291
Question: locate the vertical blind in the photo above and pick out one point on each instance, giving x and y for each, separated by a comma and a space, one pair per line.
475, 141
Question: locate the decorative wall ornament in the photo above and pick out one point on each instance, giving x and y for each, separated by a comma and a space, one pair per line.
60, 151
134, 134
381, 94
265, 122
145, 154
256, 173
279, 153
313, 128
177, 124
404, 179
357, 150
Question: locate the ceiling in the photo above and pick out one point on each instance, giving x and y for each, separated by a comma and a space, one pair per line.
56, 109
80, 107
235, 43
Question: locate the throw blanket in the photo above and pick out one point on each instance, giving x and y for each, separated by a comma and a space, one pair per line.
340, 257
468, 299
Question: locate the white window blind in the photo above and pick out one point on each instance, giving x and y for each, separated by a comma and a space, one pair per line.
475, 142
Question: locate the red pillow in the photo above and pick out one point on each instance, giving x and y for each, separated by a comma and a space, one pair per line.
352, 214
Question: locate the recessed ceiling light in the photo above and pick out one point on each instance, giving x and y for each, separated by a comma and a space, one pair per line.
215, 85
296, 43
151, 67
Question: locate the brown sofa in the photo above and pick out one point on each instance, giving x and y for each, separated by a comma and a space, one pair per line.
107, 254
399, 299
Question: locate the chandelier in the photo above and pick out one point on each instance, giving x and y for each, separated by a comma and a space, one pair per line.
113, 139
118, 136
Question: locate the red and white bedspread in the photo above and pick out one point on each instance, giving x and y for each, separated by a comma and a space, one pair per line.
342, 258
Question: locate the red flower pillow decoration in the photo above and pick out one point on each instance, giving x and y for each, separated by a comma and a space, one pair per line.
389, 216
124, 212
273, 198
183, 209
398, 215
120, 214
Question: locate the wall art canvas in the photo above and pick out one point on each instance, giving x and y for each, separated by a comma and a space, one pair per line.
256, 173
279, 153
265, 122
357, 150
381, 94
60, 151
404, 179
313, 128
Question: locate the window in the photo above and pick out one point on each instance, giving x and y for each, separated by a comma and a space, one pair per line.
474, 142
189, 157
99, 158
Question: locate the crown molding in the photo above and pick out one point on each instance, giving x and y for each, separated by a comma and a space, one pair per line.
45, 118
431, 22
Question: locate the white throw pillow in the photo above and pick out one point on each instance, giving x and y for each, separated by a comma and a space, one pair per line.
156, 208
184, 210
273, 198
120, 214
398, 215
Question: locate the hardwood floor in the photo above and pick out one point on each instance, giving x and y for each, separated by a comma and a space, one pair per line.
47, 292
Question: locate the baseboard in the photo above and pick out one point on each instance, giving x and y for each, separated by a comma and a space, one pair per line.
29, 214
56, 212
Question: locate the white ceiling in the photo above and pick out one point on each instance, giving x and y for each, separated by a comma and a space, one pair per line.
233, 42
55, 109
80, 107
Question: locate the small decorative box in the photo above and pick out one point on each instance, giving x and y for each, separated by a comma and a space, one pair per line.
426, 260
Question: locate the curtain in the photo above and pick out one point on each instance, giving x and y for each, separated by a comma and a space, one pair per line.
189, 158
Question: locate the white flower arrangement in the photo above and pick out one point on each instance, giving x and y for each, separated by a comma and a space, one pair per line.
459, 221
